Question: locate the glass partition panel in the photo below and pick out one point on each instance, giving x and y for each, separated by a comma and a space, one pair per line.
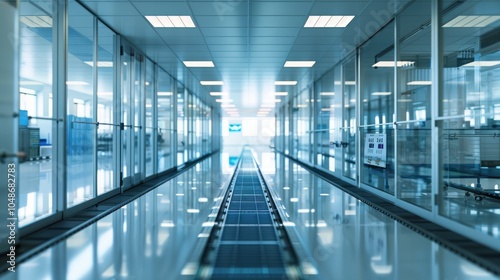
413, 103
470, 116
81, 127
304, 106
377, 78
38, 168
327, 129
150, 131
471, 176
165, 109
347, 83
107, 129
181, 152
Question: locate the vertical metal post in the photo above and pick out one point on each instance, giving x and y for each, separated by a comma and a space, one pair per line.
9, 105
395, 100
95, 101
117, 135
436, 97
60, 54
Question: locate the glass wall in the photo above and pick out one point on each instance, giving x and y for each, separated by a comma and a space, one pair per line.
469, 118
182, 125
165, 106
413, 108
349, 128
81, 109
377, 113
37, 135
426, 139
113, 107
150, 131
108, 124
325, 133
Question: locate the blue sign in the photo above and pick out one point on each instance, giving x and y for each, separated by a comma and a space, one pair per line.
235, 127
233, 160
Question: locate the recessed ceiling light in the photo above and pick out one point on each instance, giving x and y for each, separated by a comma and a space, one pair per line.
328, 21
392, 64
164, 93
36, 21
284, 93
30, 83
198, 63
77, 83
327, 93
382, 93
212, 83
171, 21
285, 83
350, 83
419, 83
100, 63
471, 21
404, 100
217, 93
299, 63
482, 63
223, 100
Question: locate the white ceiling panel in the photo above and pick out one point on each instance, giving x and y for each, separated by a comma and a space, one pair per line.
273, 8
272, 40
249, 41
113, 8
271, 32
277, 21
220, 9
224, 32
226, 40
228, 48
162, 8
226, 21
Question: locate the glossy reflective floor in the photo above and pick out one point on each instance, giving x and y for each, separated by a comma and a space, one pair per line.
153, 237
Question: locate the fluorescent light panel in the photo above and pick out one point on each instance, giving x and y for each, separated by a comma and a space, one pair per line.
327, 93
171, 21
224, 100
198, 63
419, 83
482, 64
218, 93
164, 93
471, 21
100, 63
299, 63
36, 21
285, 83
212, 83
327, 21
392, 64
381, 93
284, 93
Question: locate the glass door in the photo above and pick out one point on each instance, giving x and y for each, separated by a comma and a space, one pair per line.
137, 110
126, 116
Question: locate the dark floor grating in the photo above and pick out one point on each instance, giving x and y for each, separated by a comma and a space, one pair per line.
249, 245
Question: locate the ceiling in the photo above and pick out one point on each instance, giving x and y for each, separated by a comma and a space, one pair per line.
250, 40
